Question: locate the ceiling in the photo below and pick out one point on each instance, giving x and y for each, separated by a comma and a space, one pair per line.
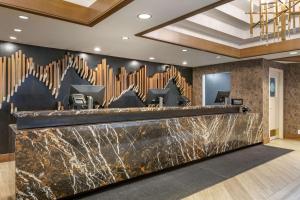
107, 34
84, 12
228, 24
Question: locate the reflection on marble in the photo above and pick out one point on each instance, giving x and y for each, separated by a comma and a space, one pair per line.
58, 162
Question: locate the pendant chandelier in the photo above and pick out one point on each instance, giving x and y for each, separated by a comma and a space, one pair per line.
276, 18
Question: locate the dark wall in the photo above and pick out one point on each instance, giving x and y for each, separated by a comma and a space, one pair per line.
34, 95
292, 99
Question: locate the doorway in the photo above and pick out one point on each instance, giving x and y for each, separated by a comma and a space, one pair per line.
275, 103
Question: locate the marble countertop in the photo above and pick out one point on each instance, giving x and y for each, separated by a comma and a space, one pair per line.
41, 119
54, 113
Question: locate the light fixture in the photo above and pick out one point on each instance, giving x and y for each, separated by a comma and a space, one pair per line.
276, 18
97, 49
17, 30
23, 17
151, 58
184, 63
293, 53
84, 3
144, 16
125, 38
12, 38
218, 57
184, 50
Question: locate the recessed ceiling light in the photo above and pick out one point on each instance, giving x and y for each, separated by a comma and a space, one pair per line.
97, 49
17, 30
151, 58
12, 38
293, 52
184, 50
184, 63
218, 57
125, 38
23, 17
144, 16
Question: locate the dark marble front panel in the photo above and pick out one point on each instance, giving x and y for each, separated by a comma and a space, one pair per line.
56, 162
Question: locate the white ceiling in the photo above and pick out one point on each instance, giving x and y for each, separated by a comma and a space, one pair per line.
228, 24
108, 34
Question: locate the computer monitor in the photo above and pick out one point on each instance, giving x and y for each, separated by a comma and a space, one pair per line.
154, 94
95, 91
221, 96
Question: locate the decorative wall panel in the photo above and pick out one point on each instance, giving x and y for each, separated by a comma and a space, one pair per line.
17, 67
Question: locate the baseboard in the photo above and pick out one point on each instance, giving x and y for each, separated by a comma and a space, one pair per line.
292, 136
7, 157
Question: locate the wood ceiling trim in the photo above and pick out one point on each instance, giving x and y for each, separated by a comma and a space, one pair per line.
181, 39
111, 6
278, 47
289, 59
159, 33
62, 10
176, 38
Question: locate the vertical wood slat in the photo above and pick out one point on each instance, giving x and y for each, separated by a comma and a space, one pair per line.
5, 79
17, 64
104, 78
111, 83
8, 78
54, 88
30, 66
13, 74
23, 67
50, 76
1, 82
26, 68
41, 73
45, 75
19, 67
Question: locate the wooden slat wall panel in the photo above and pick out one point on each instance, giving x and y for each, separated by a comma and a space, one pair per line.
1, 83
8, 78
16, 68
5, 81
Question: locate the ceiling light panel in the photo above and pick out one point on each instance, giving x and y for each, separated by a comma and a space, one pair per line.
85, 3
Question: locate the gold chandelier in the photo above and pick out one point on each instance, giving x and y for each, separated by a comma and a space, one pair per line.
276, 18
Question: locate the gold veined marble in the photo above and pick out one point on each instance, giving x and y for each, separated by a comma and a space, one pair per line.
57, 162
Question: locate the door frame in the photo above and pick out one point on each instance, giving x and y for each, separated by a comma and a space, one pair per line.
280, 91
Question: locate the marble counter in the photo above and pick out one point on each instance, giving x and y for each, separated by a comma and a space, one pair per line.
56, 162
39, 119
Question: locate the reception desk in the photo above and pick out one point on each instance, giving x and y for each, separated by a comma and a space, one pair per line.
64, 153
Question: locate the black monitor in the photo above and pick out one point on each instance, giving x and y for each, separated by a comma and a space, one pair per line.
154, 94
221, 96
95, 91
